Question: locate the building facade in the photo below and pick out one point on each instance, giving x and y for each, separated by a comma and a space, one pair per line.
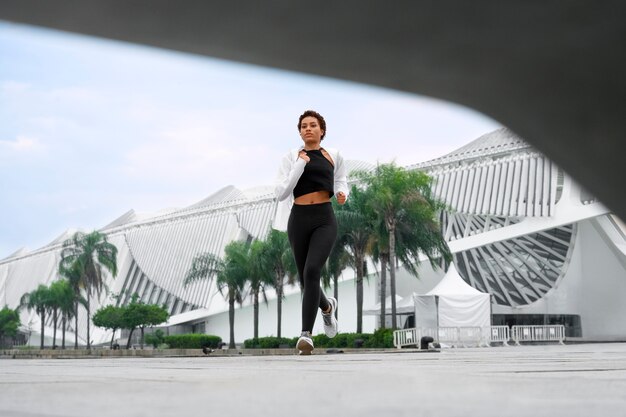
519, 228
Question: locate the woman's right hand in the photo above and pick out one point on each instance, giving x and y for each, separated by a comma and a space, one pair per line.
304, 156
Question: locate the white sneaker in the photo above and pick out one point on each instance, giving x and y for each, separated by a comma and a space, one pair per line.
305, 344
330, 322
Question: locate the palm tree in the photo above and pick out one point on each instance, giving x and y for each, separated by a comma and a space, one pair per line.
38, 300
407, 210
91, 254
230, 273
277, 258
73, 275
355, 230
65, 299
260, 277
404, 249
60, 300
54, 306
380, 253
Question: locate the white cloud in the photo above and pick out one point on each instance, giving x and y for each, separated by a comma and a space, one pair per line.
201, 149
22, 144
178, 154
54, 123
73, 209
405, 129
74, 94
14, 86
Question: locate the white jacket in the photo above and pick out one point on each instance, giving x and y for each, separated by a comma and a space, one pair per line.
291, 168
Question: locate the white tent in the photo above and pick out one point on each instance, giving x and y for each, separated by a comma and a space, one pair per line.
452, 303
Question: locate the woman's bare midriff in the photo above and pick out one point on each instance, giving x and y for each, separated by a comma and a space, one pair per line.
316, 197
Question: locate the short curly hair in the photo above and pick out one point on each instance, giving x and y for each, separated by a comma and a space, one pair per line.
319, 117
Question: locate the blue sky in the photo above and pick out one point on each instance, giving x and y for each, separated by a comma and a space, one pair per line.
91, 128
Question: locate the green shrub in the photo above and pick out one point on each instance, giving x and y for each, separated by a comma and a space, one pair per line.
155, 339
381, 338
270, 342
321, 340
342, 340
250, 343
192, 341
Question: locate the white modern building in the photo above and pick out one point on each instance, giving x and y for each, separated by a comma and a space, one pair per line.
519, 228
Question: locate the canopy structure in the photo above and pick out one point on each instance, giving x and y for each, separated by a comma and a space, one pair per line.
452, 303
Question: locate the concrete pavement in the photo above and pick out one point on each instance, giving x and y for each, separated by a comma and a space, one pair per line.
549, 380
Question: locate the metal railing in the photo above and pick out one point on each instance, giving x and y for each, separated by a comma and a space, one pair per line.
448, 335
498, 334
546, 333
406, 337
454, 336
471, 336
479, 336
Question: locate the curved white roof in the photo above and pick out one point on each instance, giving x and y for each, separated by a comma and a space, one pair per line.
126, 218
501, 141
64, 236
262, 191
228, 193
17, 253
354, 165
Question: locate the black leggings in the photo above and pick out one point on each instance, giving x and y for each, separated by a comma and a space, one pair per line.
312, 230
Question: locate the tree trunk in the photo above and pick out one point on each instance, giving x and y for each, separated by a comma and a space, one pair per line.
130, 338
279, 304
112, 338
63, 319
76, 326
54, 328
231, 322
383, 289
141, 341
359, 294
43, 319
88, 319
256, 315
392, 272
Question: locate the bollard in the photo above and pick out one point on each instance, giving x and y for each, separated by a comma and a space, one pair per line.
424, 341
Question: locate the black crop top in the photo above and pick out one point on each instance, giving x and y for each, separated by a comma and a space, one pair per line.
318, 175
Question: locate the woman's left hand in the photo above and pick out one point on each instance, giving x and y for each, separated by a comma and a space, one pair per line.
341, 198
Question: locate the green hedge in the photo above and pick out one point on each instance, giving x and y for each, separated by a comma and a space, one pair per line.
192, 341
342, 340
381, 338
270, 342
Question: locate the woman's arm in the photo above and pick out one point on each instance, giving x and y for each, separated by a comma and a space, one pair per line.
341, 178
288, 175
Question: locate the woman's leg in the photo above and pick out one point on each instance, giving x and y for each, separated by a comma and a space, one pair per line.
320, 245
299, 230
